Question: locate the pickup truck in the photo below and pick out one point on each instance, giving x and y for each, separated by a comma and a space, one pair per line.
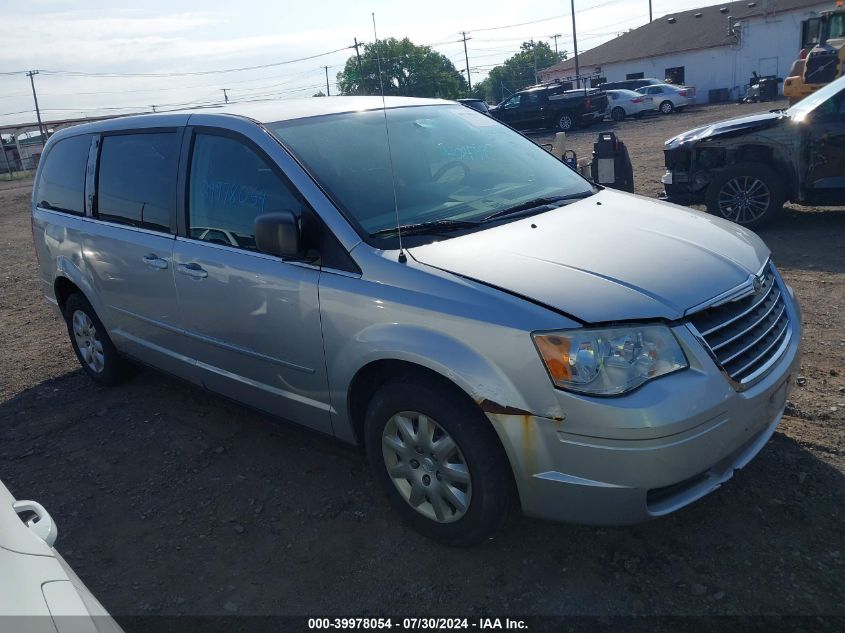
551, 106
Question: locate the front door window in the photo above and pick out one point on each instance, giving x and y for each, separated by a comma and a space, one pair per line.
231, 184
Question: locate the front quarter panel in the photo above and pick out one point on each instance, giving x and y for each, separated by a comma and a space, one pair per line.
475, 336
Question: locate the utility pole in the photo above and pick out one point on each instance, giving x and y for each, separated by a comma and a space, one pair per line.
575, 47
154, 108
466, 57
361, 88
6, 158
225, 95
649, 10
534, 54
328, 92
32, 74
554, 37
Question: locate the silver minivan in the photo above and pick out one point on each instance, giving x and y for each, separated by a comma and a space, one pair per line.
423, 281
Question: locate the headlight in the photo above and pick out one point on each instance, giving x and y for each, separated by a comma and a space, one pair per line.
609, 361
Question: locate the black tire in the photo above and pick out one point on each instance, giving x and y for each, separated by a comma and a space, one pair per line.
565, 121
491, 491
114, 368
666, 107
743, 176
617, 114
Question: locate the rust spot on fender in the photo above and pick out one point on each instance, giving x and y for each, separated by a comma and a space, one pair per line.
489, 406
500, 409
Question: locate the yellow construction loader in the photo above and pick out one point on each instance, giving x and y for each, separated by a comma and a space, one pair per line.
821, 64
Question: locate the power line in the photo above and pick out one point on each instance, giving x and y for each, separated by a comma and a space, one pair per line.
548, 19
262, 88
76, 73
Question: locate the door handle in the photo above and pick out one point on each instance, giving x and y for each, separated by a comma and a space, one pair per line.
192, 270
154, 261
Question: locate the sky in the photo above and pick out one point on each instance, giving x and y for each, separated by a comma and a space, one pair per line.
168, 47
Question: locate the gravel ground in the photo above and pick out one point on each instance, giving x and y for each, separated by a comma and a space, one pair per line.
170, 500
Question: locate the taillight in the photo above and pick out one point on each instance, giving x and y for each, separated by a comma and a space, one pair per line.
587, 104
637, 100
683, 93
802, 54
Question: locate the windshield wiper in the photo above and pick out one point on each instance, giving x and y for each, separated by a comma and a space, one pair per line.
432, 226
537, 205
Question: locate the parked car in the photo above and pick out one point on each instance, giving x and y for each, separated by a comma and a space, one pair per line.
745, 169
38, 589
431, 297
551, 106
475, 104
622, 103
631, 84
669, 98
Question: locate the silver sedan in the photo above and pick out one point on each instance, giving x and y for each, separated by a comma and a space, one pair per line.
625, 103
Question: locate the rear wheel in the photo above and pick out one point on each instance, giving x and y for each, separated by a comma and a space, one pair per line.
667, 107
746, 193
617, 114
566, 122
439, 461
91, 343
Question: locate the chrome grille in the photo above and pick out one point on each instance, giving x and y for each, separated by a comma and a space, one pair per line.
746, 335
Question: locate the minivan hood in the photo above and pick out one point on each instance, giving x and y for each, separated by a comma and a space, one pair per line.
609, 257
737, 126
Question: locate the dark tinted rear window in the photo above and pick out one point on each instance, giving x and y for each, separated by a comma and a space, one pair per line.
136, 184
61, 184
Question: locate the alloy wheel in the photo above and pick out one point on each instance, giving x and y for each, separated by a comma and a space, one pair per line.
565, 123
666, 107
744, 199
88, 341
426, 466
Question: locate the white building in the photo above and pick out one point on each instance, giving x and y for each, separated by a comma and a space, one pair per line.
715, 48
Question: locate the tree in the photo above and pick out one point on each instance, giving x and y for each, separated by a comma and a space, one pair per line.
516, 72
407, 70
319, 93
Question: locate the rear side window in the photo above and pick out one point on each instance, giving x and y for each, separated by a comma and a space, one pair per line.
230, 185
61, 184
136, 184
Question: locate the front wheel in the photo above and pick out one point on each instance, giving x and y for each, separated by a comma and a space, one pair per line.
439, 461
566, 122
667, 107
746, 193
617, 114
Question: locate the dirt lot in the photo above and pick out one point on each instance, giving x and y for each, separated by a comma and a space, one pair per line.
172, 501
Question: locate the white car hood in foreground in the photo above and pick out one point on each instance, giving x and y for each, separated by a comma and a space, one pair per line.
39, 592
609, 257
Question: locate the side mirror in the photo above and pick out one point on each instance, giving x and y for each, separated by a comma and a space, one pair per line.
278, 234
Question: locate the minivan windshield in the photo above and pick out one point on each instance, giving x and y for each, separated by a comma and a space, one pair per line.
453, 167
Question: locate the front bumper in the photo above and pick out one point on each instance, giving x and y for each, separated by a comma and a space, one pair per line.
677, 189
625, 460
